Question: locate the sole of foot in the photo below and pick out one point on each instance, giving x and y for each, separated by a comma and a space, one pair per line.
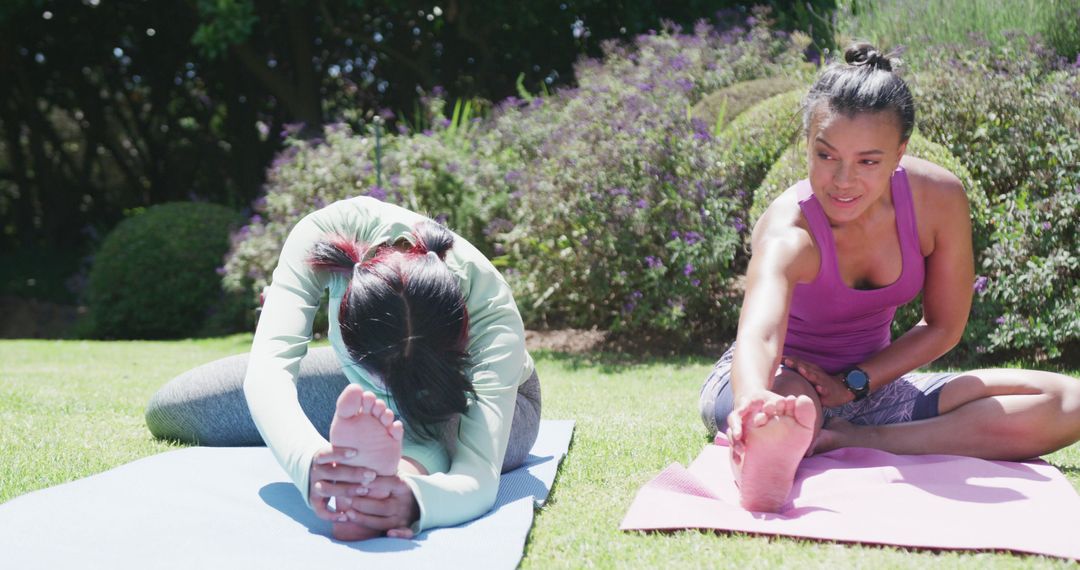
364, 424
775, 444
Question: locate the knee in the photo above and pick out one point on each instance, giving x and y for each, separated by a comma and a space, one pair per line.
1062, 395
789, 382
1070, 401
162, 419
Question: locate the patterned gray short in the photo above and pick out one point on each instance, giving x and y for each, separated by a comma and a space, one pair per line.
913, 396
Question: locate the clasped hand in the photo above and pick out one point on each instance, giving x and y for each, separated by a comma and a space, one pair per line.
381, 503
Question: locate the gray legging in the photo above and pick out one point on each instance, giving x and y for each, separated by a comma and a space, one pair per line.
206, 405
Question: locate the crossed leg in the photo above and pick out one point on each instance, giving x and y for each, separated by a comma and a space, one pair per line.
1003, 414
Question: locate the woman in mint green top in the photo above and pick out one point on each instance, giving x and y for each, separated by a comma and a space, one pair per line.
464, 399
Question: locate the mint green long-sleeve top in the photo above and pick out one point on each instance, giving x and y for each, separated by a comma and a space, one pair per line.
458, 488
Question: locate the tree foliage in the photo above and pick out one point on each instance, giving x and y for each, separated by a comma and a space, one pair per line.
110, 105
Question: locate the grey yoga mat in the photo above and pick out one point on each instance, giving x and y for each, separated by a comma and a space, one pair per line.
213, 507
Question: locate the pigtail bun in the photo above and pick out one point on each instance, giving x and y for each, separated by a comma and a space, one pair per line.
337, 254
865, 54
431, 237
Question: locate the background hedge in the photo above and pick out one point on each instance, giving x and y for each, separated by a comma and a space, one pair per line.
156, 275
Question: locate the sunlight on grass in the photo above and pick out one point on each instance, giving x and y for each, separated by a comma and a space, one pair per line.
72, 409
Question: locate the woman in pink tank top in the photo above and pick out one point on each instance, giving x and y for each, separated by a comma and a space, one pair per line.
814, 367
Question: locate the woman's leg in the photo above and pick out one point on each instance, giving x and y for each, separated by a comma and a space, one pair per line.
717, 398
525, 425
1002, 414
206, 405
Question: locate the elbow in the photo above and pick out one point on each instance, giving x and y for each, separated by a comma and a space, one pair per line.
486, 499
485, 493
956, 336
949, 336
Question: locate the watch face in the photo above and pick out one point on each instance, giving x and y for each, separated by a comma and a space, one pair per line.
857, 379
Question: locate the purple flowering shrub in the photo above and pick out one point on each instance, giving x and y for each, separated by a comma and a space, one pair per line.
621, 214
1011, 114
1028, 293
446, 172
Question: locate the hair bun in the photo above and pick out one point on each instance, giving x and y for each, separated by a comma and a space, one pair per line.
862, 53
432, 238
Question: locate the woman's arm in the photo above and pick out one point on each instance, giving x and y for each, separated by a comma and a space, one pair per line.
281, 341
783, 255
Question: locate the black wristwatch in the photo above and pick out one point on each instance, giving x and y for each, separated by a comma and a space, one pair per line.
858, 382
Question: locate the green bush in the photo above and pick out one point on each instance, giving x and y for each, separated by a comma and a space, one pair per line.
1028, 296
754, 141
722, 106
1012, 114
155, 275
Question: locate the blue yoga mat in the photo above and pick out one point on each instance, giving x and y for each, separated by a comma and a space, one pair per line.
214, 507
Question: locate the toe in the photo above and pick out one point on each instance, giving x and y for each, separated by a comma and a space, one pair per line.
397, 430
805, 413
369, 401
350, 401
378, 408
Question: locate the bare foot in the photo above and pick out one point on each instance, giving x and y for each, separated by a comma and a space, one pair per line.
776, 438
363, 423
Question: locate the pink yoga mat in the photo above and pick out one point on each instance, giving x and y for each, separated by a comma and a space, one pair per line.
870, 496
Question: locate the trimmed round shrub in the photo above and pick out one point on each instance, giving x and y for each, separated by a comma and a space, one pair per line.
722, 106
156, 274
754, 141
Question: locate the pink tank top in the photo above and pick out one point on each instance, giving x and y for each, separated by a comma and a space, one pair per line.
833, 325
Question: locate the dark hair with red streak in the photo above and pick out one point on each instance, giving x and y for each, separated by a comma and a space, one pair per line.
403, 317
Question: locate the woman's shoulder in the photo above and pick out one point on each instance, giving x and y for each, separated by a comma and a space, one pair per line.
784, 232
783, 217
931, 181
939, 199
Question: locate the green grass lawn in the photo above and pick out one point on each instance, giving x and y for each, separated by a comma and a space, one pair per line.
69, 409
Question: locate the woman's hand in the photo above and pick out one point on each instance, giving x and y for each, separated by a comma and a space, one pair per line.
388, 505
330, 479
830, 389
385, 504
